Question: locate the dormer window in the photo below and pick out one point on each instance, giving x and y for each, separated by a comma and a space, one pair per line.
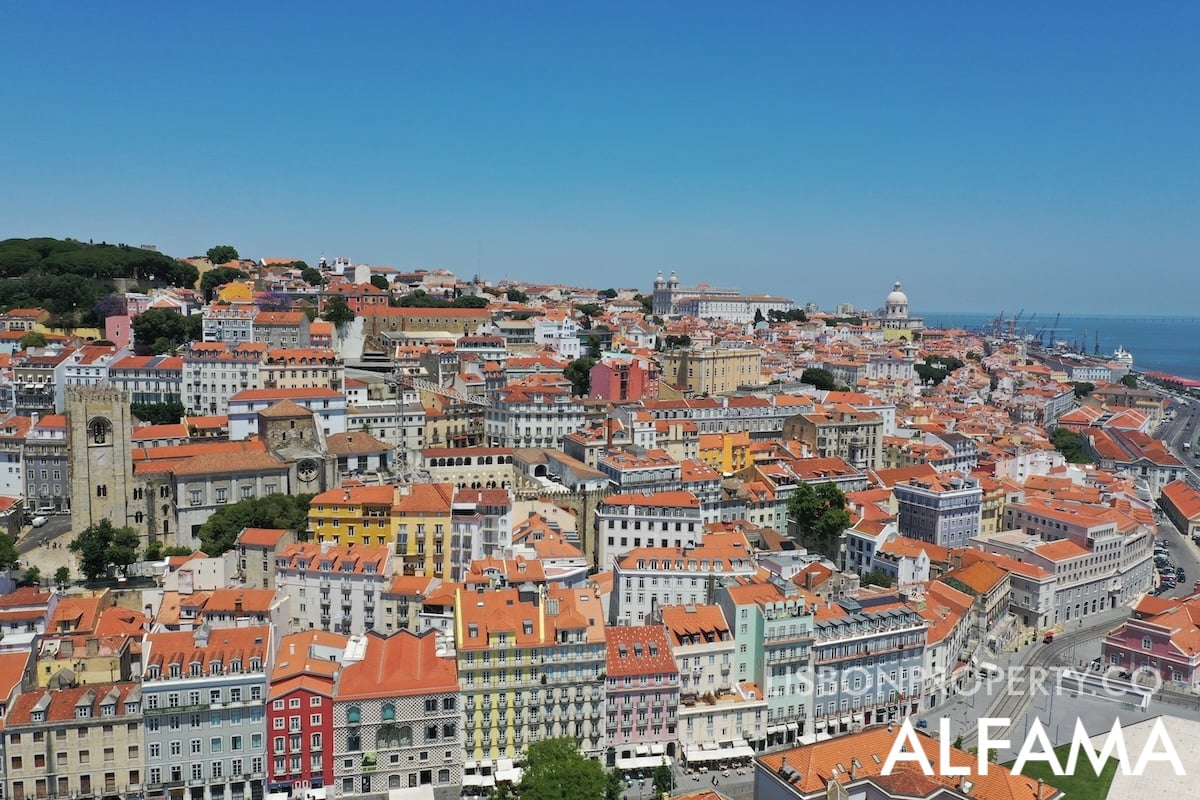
256, 665
216, 668
131, 708
83, 712
195, 668
235, 665
37, 716
108, 710
174, 672
154, 673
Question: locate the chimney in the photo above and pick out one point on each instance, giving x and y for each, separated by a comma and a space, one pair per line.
237, 605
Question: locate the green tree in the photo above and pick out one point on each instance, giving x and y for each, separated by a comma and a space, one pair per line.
578, 372
589, 310
469, 302
33, 576
220, 531
176, 550
124, 548
380, 282
312, 276
154, 550
516, 296
758, 316
818, 377
62, 577
159, 330
664, 781
158, 413
1082, 388
103, 545
1130, 380
338, 311
820, 515
556, 770
673, 341
614, 785
609, 293
218, 277
9, 557
222, 254
877, 577
421, 299
33, 339
1070, 444
647, 302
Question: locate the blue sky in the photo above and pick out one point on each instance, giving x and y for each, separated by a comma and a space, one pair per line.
988, 155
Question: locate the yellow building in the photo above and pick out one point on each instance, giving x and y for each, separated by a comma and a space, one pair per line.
711, 370
421, 528
728, 453
991, 507
352, 515
530, 670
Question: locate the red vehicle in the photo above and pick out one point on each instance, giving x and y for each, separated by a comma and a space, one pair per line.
1048, 638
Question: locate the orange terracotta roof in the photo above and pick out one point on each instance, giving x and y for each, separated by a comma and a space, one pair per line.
864, 754
261, 537
639, 650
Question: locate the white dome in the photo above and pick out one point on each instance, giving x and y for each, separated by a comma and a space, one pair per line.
897, 297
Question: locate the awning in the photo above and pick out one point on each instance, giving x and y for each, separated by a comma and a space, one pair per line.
845, 721
823, 737
650, 762
740, 752
471, 779
488, 780
807, 738
775, 729
657, 750
643, 750
512, 775
740, 743
469, 766
504, 764
793, 726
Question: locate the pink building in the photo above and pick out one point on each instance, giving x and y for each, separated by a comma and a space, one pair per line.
1162, 637
118, 329
624, 377
642, 696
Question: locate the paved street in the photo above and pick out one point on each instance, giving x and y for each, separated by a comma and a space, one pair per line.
46, 547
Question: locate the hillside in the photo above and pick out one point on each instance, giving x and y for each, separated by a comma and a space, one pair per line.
68, 277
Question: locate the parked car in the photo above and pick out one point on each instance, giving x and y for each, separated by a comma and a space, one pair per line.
38, 522
922, 723
1048, 638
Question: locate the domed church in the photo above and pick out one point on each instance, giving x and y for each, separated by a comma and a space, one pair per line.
894, 318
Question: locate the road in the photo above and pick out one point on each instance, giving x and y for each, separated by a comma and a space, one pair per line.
1021, 684
33, 538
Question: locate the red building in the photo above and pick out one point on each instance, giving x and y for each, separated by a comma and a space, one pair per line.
1160, 637
624, 377
300, 711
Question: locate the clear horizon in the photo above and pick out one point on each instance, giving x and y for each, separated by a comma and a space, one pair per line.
988, 158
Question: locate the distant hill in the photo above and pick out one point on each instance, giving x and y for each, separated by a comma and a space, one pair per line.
68, 277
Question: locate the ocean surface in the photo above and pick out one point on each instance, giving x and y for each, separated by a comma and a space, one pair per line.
1158, 344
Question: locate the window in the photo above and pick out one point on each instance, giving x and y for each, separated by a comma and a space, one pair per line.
315, 719
353, 715
389, 712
